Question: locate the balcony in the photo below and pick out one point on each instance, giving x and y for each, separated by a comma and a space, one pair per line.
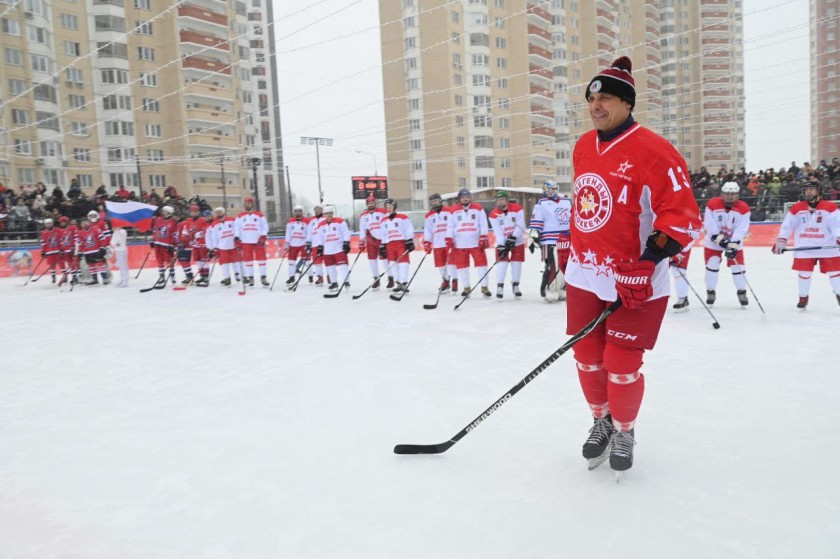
539, 15
539, 32
201, 63
204, 89
542, 131
204, 40
543, 73
542, 112
542, 93
534, 50
202, 14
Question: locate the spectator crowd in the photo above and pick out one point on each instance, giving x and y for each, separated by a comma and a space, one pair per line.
767, 191
23, 211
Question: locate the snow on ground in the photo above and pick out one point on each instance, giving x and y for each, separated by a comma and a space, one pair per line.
201, 424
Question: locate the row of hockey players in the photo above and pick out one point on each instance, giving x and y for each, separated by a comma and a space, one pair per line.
64, 244
453, 235
813, 223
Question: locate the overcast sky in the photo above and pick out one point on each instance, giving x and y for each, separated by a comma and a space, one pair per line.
331, 86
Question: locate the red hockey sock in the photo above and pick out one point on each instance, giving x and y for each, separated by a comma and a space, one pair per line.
593, 381
625, 398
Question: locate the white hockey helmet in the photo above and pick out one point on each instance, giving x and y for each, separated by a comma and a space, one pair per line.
167, 211
329, 209
220, 210
297, 207
93, 215
731, 188
48, 222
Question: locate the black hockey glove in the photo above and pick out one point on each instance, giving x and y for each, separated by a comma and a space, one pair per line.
510, 242
409, 245
730, 252
383, 251
501, 251
346, 247
307, 248
319, 250
720, 240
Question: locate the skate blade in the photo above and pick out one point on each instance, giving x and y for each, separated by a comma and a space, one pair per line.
593, 463
618, 477
681, 310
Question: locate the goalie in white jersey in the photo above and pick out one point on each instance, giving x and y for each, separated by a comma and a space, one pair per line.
550, 220
815, 226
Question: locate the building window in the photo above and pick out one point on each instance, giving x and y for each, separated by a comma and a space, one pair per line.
144, 28
154, 154
79, 128
481, 80
116, 102
482, 121
456, 79
157, 180
409, 22
143, 4
459, 141
114, 76
26, 176
483, 141
459, 100
16, 87
40, 63
416, 144
153, 130
412, 83
76, 101
459, 121
484, 162
81, 154
485, 182
456, 17
414, 124
10, 26
413, 104
148, 80
480, 59
504, 122
507, 182
23, 147
462, 182
501, 62
504, 163
411, 63
51, 149
501, 43
410, 43
417, 165
48, 121
13, 57
146, 53
19, 116
85, 181
72, 48
462, 162
151, 105
119, 128
417, 184
75, 75
502, 83
69, 21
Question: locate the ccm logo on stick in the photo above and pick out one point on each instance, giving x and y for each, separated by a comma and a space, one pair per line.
621, 335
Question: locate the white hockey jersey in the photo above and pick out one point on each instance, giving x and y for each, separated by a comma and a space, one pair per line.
396, 227
508, 222
297, 231
250, 226
435, 227
314, 222
551, 218
467, 225
812, 227
221, 234
331, 235
369, 223
733, 223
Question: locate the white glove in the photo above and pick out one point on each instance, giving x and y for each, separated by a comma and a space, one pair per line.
780, 245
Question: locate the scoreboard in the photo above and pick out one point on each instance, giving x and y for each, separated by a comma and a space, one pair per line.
365, 186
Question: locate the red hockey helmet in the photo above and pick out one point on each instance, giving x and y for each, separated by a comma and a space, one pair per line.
249, 200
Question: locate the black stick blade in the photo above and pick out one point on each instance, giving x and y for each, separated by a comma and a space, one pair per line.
423, 448
430, 307
396, 298
331, 295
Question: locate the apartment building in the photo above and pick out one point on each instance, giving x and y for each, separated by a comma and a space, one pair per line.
490, 93
825, 82
142, 93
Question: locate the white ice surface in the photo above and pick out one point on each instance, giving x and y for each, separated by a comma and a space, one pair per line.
202, 424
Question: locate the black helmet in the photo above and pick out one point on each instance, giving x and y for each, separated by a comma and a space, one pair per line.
811, 183
392, 202
435, 197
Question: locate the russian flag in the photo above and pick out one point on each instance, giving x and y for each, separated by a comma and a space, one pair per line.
131, 214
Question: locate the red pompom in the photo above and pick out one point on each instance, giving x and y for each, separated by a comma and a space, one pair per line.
623, 63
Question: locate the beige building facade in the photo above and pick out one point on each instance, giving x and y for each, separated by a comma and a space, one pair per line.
490, 93
825, 82
142, 93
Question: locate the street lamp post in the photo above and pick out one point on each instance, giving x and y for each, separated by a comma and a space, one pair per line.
255, 161
375, 166
224, 182
318, 142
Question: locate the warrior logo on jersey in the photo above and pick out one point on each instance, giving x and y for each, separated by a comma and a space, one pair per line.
594, 202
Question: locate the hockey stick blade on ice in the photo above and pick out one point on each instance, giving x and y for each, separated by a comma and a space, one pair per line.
446, 445
440, 290
377, 278
417, 269
346, 280
715, 323
809, 248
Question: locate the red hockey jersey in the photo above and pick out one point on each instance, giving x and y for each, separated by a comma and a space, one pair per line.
625, 189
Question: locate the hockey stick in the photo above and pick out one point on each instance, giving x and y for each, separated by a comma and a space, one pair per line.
158, 284
809, 248
753, 294
444, 446
277, 273
302, 274
33, 271
440, 290
417, 269
467, 296
42, 274
377, 278
346, 280
715, 324
143, 265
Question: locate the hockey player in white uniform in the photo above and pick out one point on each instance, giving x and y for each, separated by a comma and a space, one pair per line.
331, 241
467, 237
727, 222
550, 220
370, 239
508, 222
397, 242
435, 229
317, 261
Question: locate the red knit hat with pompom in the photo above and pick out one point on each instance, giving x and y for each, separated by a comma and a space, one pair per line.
615, 80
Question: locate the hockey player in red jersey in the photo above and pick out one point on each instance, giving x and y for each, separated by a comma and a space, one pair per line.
727, 222
435, 227
397, 242
51, 247
317, 266
201, 254
633, 210
508, 222
467, 236
92, 245
69, 257
370, 239
163, 242
813, 223
252, 230
184, 240
296, 235
100, 225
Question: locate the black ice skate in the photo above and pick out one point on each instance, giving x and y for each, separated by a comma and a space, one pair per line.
93, 281
710, 297
466, 292
390, 284
485, 291
290, 281
202, 282
375, 284
500, 290
105, 279
681, 304
516, 292
226, 282
838, 299
53, 278
596, 445
621, 450
803, 302
399, 287
264, 281
250, 281
333, 286
742, 297
187, 280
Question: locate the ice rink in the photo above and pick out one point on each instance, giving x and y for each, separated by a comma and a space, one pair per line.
202, 424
